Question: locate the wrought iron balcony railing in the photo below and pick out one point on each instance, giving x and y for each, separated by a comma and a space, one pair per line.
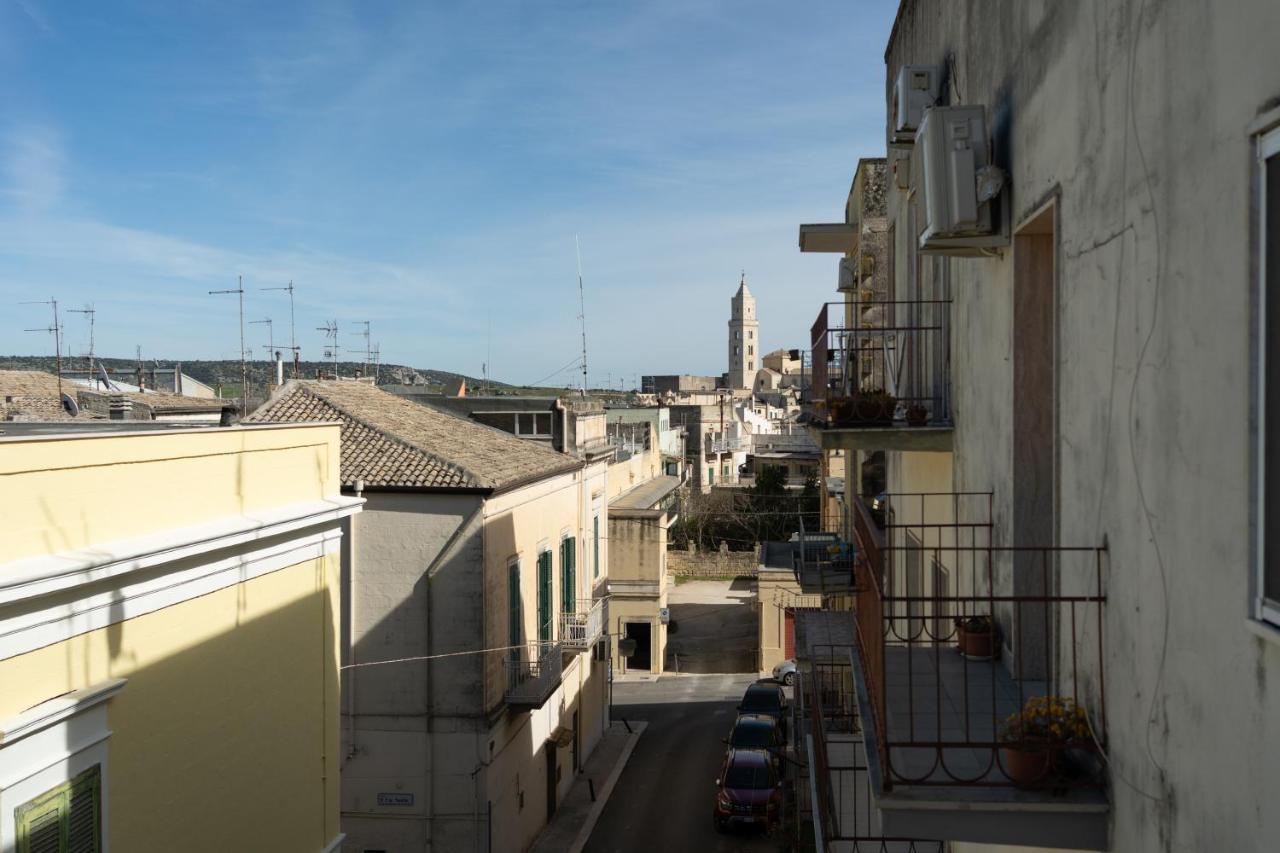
882, 364
533, 673
582, 628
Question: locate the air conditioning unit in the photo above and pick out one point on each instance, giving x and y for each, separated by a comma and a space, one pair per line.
848, 275
958, 182
916, 90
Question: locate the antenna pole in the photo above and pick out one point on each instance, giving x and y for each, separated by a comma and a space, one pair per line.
582, 314
244, 367
88, 310
57, 336
293, 339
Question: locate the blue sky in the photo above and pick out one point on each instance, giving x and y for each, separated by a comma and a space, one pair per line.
425, 166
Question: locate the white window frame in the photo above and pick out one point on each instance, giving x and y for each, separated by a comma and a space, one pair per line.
1268, 146
50, 744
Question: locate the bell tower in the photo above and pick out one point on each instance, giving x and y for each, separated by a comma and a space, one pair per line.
744, 338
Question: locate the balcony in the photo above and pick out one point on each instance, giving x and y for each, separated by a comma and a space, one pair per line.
725, 445
949, 753
533, 674
881, 375
581, 629
841, 803
821, 563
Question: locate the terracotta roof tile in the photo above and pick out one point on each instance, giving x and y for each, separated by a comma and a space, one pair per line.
390, 441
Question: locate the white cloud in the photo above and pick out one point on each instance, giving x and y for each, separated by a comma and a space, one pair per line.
34, 167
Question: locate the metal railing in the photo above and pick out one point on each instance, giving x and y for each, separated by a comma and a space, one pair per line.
823, 563
726, 445
845, 816
580, 629
975, 657
880, 362
533, 672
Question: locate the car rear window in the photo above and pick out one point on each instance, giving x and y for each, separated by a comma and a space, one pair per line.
747, 776
761, 700
753, 735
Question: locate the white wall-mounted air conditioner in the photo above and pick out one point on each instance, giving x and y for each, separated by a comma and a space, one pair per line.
848, 275
916, 89
957, 181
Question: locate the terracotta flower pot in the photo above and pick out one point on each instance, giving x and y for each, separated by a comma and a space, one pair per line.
917, 416
976, 644
1028, 765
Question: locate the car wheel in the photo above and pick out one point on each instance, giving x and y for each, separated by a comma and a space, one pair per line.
789, 679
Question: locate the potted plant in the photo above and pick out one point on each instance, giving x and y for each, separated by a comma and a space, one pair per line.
871, 408
1033, 739
917, 415
976, 637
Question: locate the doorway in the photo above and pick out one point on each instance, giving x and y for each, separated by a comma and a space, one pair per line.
553, 773
641, 632
789, 634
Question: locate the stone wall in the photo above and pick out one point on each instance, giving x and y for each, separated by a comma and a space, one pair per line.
722, 563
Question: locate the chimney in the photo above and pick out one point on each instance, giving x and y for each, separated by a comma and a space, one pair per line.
229, 416
119, 408
177, 378
279, 368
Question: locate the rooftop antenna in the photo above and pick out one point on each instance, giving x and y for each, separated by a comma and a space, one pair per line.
330, 330
377, 361
293, 341
244, 366
582, 314
271, 336
90, 311
368, 351
56, 331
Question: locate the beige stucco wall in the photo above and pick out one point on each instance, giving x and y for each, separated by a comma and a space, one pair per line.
231, 695
775, 591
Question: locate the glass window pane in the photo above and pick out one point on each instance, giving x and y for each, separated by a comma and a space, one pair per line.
1271, 356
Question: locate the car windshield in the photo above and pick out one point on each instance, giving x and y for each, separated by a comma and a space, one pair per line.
752, 735
761, 700
742, 776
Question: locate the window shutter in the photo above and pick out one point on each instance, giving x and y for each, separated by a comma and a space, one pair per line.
66, 819
595, 547
568, 579
513, 608
544, 597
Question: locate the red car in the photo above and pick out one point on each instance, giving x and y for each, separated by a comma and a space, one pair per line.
748, 790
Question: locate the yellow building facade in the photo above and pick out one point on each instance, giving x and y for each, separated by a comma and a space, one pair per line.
168, 642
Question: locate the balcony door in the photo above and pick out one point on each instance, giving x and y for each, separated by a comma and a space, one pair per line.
1035, 435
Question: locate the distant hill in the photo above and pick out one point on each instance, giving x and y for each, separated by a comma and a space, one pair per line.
227, 373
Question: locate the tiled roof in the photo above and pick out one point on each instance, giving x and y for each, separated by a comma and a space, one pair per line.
390, 441
32, 395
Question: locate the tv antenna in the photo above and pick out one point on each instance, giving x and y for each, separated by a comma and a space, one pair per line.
582, 314
56, 331
244, 366
293, 341
330, 330
89, 311
368, 347
271, 337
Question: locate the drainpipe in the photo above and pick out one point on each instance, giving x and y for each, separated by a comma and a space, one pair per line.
564, 425
351, 622
279, 368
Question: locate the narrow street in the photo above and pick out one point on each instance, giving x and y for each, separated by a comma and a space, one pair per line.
664, 798
717, 628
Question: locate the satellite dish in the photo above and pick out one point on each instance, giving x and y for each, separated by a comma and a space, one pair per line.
70, 405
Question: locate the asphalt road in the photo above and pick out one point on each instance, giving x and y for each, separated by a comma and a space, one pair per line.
664, 798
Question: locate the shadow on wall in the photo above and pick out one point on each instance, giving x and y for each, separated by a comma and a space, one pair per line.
204, 740
720, 637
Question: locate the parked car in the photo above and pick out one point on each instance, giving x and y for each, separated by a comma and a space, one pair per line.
764, 697
748, 790
785, 672
758, 731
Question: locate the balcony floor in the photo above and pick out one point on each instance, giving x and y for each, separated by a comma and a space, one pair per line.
927, 693
894, 437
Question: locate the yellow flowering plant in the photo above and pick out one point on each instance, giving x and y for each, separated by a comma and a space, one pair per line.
1046, 718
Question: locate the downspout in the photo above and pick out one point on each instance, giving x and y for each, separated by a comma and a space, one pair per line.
564, 424
351, 629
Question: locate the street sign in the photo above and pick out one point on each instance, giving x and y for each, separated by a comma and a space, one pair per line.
664, 615
395, 799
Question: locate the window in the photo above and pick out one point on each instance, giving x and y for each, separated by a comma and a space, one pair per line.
750, 335
1269, 376
544, 597
568, 579
751, 350
595, 546
65, 819
737, 350
711, 475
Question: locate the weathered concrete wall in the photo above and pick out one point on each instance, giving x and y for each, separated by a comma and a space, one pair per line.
1136, 127
721, 563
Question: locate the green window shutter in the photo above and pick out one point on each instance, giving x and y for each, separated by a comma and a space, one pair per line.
66, 819
568, 575
595, 546
513, 608
544, 597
